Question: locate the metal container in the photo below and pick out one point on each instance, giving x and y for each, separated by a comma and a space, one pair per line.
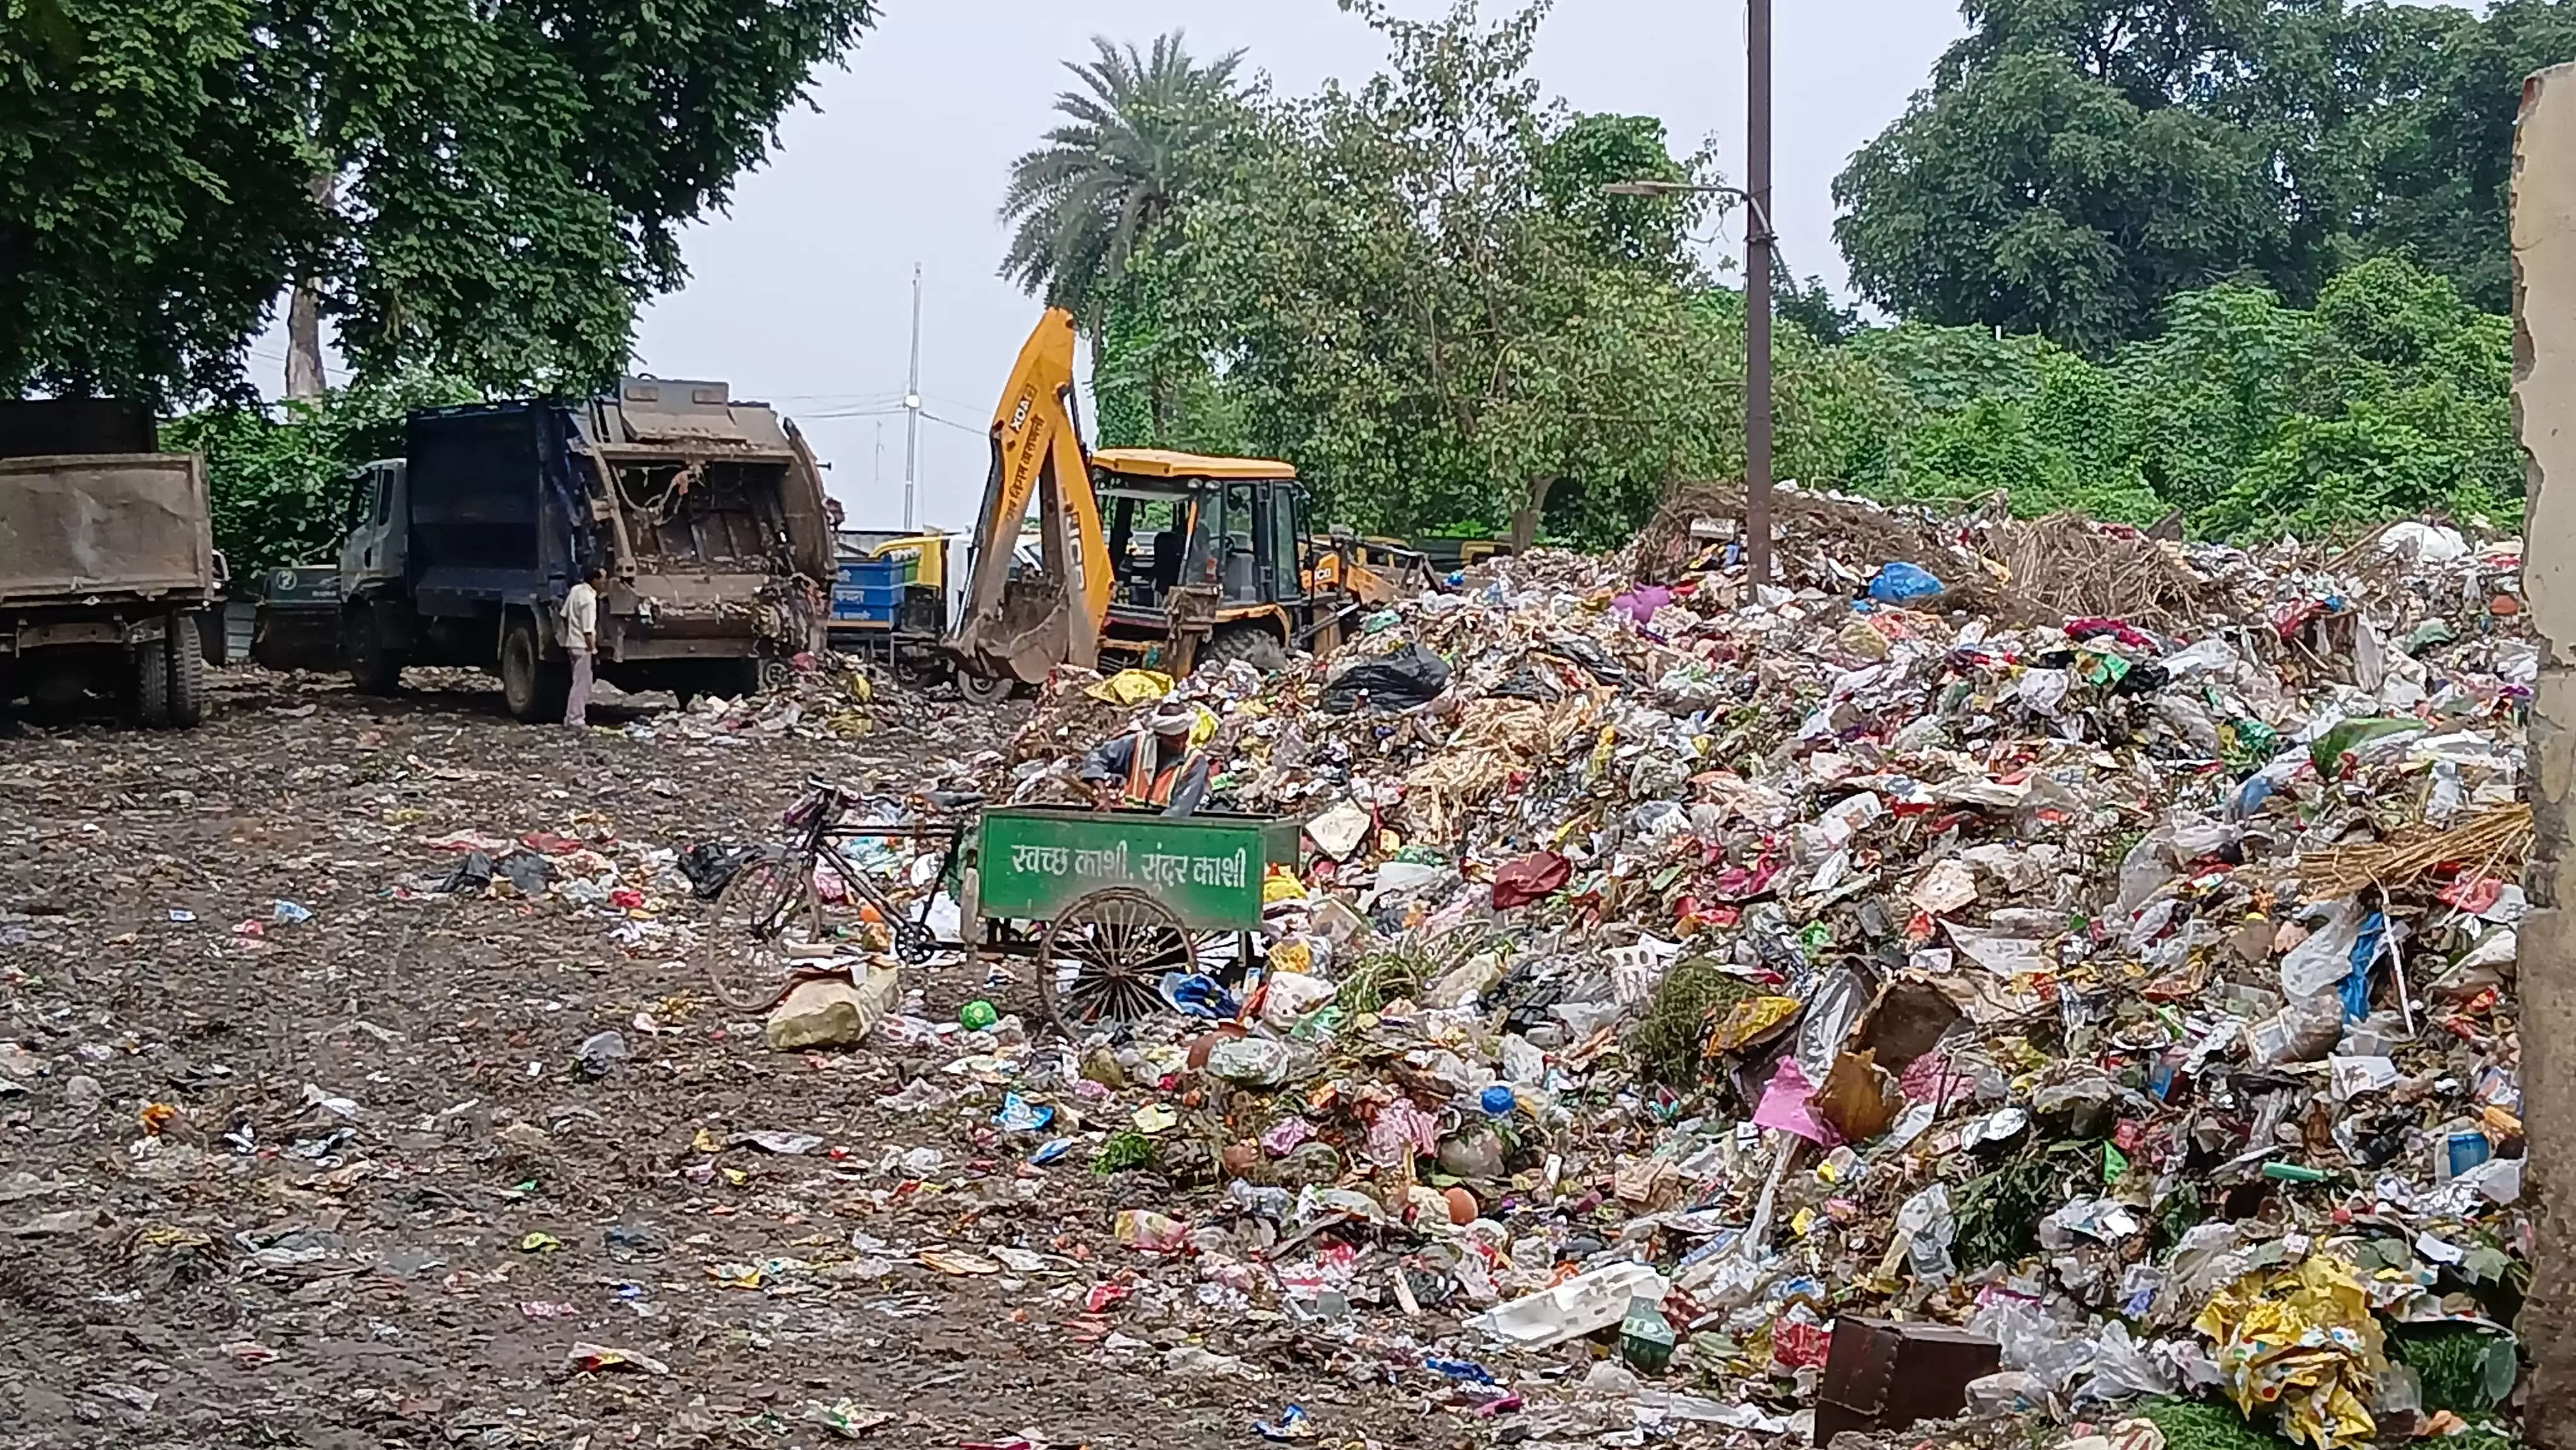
1881, 1375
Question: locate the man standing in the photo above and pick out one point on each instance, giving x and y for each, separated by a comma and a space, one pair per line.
581, 640
1156, 764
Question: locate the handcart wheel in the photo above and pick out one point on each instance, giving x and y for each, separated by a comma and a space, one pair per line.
768, 907
1104, 958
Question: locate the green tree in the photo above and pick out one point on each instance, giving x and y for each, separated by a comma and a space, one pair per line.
488, 189
2032, 197
1416, 291
2077, 164
1139, 137
2443, 168
276, 476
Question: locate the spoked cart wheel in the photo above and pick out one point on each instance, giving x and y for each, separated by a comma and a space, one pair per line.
768, 908
1103, 960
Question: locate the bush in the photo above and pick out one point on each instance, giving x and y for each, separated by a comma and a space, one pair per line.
275, 473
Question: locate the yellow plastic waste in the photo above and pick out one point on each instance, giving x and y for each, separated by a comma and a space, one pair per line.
1749, 1021
2301, 1341
1131, 687
1281, 885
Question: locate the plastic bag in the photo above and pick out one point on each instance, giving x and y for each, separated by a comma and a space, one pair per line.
1410, 676
1900, 581
2123, 1368
2049, 1351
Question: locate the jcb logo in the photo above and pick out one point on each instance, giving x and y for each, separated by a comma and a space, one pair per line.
1020, 414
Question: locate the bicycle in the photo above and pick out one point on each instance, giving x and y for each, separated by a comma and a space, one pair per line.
769, 916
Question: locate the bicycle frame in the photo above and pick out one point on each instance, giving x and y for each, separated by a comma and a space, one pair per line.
818, 817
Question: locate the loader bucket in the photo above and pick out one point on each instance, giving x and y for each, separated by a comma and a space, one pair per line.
1029, 635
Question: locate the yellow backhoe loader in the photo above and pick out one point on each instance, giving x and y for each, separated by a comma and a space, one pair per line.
1143, 556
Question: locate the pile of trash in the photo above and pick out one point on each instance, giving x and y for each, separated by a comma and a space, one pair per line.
825, 696
1928, 983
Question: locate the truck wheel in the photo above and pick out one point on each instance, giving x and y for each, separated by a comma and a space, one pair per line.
150, 699
533, 686
375, 667
1258, 648
187, 686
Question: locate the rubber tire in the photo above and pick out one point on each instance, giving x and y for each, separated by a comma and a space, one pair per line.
186, 699
532, 686
978, 690
150, 691
374, 668
1256, 647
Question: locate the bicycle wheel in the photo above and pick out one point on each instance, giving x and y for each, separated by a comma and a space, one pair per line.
765, 910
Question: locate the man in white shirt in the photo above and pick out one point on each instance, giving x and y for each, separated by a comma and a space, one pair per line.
581, 640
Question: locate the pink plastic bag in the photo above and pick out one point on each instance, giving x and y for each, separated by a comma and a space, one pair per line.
1784, 1106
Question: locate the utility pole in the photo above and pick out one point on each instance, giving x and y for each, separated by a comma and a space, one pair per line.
912, 408
876, 480
1758, 242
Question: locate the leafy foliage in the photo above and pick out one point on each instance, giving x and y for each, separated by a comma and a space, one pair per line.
1420, 293
2390, 397
1137, 138
486, 188
2076, 165
277, 476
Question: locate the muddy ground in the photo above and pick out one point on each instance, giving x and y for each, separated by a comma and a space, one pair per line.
383, 1202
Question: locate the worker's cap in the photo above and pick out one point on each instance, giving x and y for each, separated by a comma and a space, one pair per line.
1173, 718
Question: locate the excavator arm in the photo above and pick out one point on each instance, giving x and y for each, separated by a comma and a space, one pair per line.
1020, 628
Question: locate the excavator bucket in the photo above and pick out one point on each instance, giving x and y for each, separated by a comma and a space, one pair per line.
1028, 634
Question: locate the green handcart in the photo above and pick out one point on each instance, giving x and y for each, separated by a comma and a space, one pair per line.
1109, 902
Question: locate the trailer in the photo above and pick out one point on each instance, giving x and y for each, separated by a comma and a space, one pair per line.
107, 563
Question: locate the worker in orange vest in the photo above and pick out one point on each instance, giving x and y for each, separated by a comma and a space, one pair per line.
1157, 764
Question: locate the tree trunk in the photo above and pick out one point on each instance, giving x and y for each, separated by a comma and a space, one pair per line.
1525, 522
304, 380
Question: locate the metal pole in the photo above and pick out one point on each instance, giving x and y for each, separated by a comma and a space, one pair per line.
1757, 293
912, 407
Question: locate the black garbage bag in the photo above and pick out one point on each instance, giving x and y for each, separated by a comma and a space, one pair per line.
710, 864
474, 873
527, 871
1411, 676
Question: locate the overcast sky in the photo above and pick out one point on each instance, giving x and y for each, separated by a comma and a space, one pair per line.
800, 296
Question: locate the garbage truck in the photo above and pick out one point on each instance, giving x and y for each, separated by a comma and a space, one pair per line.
707, 513
107, 563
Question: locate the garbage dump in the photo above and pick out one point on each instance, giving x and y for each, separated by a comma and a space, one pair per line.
2045, 968
2073, 1001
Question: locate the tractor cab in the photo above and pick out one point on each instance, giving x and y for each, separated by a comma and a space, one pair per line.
1233, 527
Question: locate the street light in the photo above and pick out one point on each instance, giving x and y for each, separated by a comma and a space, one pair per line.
1758, 243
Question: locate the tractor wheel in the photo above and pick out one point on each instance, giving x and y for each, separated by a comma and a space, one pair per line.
984, 690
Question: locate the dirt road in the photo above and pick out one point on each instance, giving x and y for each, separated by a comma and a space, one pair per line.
342, 1181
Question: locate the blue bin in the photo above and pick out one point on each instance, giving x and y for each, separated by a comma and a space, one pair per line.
869, 592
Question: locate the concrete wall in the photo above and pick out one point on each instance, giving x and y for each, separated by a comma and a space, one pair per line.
2544, 255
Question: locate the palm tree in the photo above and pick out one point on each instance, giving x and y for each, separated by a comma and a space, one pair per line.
1134, 138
